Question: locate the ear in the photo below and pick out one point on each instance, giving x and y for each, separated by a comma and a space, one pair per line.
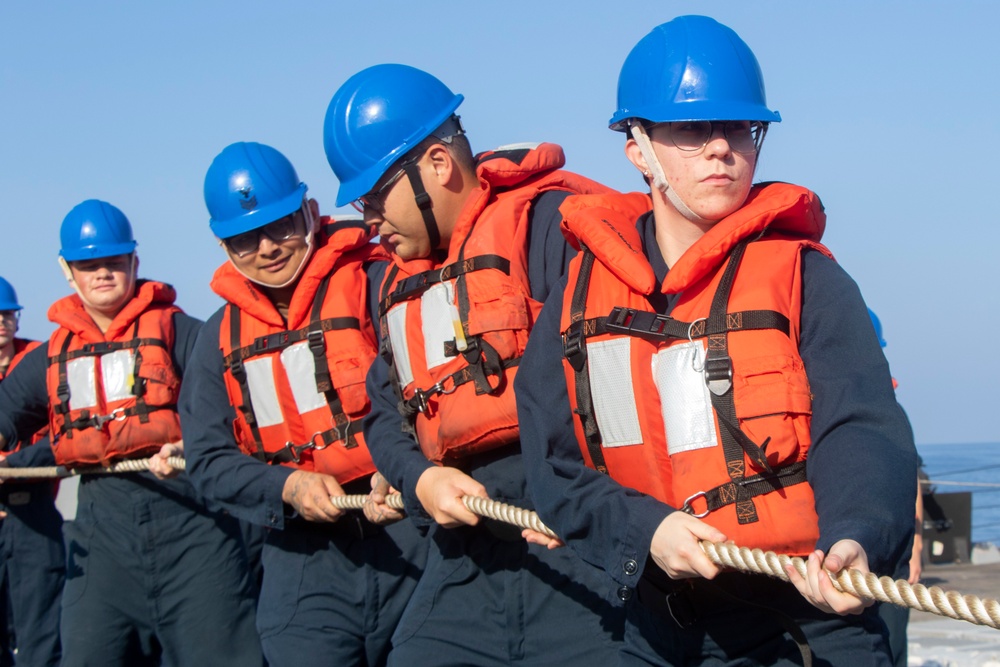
314, 210
635, 156
441, 165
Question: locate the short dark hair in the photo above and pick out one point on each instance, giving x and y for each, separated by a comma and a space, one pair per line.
457, 146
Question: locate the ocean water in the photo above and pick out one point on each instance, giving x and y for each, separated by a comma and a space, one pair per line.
969, 467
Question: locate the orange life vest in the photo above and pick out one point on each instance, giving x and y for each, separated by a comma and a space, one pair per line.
299, 387
707, 409
113, 395
455, 330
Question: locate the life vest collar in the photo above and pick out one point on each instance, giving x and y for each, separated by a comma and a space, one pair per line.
69, 312
333, 240
616, 240
781, 207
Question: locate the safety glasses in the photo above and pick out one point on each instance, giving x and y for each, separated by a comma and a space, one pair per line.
744, 136
375, 200
247, 243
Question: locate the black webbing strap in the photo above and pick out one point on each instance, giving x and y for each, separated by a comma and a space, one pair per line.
278, 341
419, 283
87, 420
102, 348
423, 202
324, 383
291, 453
138, 382
575, 351
757, 485
62, 390
234, 362
719, 377
658, 328
418, 403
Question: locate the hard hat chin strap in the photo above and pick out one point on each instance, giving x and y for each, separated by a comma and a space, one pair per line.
659, 178
424, 203
310, 247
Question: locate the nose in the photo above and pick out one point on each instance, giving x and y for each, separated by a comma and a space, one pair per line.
372, 217
718, 144
266, 246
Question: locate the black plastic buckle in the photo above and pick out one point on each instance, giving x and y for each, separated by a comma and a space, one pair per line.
317, 342
573, 346
237, 369
719, 374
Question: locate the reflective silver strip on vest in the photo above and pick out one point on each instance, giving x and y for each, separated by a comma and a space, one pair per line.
300, 367
118, 374
396, 321
438, 314
611, 387
82, 380
685, 403
263, 395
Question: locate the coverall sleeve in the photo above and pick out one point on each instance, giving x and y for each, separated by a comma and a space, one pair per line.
37, 455
862, 464
607, 524
24, 398
222, 474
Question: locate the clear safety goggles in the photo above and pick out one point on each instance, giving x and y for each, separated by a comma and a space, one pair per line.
247, 243
690, 136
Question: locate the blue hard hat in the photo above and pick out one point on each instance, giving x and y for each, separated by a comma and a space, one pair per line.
878, 326
249, 185
95, 229
691, 68
378, 115
8, 297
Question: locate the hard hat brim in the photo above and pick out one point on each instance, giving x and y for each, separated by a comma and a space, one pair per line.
254, 219
692, 111
98, 251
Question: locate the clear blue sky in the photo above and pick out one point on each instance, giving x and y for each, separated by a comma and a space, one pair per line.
890, 114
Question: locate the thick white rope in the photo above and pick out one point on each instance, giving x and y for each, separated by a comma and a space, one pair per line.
51, 472
862, 585
866, 586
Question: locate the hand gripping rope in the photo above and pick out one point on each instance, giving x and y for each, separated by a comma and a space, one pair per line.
866, 586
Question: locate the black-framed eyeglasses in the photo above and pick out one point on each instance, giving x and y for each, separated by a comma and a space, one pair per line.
286, 228
744, 136
375, 200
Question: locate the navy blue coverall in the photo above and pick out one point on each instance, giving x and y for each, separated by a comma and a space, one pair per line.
32, 560
152, 576
332, 593
862, 466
